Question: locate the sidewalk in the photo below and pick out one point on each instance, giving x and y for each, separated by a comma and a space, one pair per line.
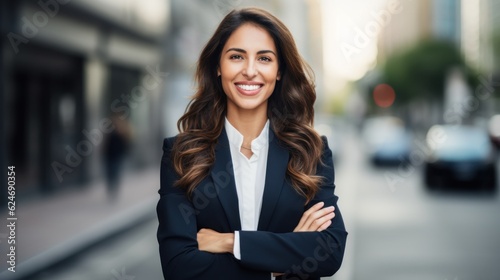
49, 229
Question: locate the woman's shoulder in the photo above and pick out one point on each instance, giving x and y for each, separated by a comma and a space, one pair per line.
168, 142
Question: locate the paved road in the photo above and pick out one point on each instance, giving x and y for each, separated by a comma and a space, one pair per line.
396, 231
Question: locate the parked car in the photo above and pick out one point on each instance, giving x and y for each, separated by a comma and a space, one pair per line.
387, 140
460, 157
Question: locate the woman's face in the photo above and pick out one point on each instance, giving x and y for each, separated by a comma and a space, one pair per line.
248, 68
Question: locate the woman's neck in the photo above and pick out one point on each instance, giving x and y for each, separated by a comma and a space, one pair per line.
249, 124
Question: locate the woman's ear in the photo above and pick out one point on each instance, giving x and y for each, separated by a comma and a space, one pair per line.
279, 76
218, 71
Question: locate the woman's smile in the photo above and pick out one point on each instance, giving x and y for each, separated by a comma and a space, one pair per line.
249, 88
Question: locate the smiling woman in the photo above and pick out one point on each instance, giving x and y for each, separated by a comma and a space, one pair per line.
247, 187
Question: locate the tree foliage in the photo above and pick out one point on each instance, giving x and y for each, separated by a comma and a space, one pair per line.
420, 72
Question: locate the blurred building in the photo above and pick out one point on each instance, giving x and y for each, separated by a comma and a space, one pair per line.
413, 23
67, 67
468, 24
446, 20
477, 20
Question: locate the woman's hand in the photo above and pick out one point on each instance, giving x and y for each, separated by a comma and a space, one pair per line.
215, 242
316, 218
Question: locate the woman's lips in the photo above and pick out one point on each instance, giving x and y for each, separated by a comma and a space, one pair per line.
249, 89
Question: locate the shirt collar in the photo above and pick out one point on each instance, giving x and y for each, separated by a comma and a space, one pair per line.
236, 138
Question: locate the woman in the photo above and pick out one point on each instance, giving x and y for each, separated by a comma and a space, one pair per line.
247, 187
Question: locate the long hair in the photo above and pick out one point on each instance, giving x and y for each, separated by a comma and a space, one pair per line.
290, 108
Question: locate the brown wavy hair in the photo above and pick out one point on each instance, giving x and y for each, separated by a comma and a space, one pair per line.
290, 108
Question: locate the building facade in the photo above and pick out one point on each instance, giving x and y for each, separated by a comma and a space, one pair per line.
68, 67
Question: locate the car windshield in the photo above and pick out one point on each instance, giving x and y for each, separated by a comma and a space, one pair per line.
464, 143
385, 131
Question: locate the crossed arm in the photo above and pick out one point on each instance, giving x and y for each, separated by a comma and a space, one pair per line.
315, 218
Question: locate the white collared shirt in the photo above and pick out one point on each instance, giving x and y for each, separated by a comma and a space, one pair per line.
249, 175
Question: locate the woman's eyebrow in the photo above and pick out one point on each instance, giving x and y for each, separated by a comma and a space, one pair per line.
244, 51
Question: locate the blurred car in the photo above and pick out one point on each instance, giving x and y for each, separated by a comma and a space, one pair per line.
460, 156
494, 130
387, 140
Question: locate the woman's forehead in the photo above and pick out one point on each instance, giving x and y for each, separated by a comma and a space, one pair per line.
250, 37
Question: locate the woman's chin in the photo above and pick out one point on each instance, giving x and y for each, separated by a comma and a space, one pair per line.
250, 105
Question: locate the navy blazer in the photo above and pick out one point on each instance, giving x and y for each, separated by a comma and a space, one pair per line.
274, 247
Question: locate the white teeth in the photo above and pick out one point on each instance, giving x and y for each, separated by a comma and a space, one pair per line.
249, 87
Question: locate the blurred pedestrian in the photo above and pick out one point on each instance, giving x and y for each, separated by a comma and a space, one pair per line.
247, 187
115, 147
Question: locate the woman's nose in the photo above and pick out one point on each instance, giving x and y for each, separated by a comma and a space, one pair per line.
250, 70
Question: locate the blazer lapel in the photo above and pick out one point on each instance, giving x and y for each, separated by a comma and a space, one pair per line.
223, 178
277, 161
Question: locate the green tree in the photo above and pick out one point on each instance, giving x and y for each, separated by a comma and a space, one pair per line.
495, 40
419, 72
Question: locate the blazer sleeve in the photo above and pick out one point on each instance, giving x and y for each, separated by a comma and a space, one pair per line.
307, 254
177, 230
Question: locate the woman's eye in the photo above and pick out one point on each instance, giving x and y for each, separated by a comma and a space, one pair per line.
235, 56
265, 58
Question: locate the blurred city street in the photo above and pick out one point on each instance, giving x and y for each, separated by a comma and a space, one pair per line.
407, 92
